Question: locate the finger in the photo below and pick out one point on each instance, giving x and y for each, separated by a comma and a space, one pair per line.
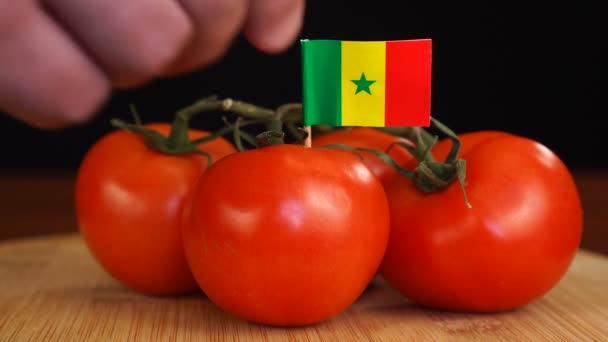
272, 25
132, 40
45, 80
216, 23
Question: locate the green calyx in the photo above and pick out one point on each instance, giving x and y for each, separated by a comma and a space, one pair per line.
178, 141
270, 138
431, 175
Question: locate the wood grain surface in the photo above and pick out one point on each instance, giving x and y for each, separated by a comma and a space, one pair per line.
51, 289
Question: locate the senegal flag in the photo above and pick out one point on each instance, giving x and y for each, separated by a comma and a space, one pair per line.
348, 83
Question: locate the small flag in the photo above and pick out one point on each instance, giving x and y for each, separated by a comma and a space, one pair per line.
377, 83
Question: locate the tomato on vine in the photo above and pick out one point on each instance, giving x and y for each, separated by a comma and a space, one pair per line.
286, 235
130, 190
512, 246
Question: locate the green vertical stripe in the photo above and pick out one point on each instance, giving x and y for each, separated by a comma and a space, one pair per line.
321, 77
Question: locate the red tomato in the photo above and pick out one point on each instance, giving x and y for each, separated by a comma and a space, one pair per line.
129, 200
370, 138
286, 235
512, 247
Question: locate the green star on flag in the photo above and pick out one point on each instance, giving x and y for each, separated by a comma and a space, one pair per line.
363, 84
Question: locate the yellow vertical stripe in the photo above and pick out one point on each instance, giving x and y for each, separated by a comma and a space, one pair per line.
358, 59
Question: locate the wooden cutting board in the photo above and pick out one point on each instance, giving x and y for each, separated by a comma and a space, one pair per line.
52, 290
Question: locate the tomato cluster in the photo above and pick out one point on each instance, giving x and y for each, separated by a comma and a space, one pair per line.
288, 235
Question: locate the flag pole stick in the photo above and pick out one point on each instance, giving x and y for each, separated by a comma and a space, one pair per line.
308, 141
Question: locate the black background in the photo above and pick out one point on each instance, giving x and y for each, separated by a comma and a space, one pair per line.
528, 71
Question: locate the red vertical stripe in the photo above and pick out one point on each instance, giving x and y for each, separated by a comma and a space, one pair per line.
408, 83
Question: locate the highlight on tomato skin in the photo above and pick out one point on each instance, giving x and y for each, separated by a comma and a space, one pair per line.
128, 200
286, 235
511, 248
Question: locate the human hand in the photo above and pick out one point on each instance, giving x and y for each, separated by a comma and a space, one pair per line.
59, 59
